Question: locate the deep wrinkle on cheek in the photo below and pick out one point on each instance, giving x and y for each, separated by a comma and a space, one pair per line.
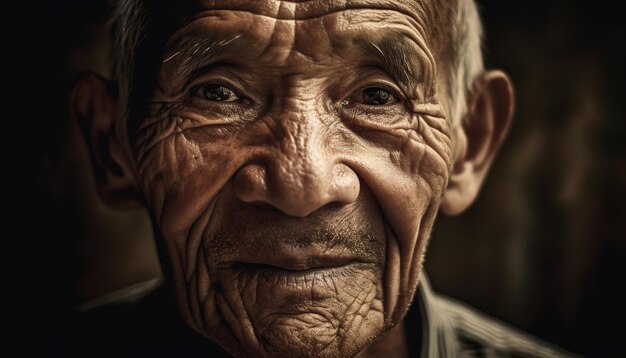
171, 163
420, 163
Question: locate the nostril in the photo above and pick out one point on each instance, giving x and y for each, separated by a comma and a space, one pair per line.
295, 194
345, 185
250, 184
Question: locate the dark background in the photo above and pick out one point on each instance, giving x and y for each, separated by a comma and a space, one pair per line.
544, 248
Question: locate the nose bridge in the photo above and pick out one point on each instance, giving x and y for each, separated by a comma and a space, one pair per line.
302, 167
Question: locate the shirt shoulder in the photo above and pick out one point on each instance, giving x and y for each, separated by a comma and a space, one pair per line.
478, 335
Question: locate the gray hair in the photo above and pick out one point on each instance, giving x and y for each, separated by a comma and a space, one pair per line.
464, 63
127, 31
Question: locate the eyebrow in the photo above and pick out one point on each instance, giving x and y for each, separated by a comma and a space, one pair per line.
406, 60
194, 52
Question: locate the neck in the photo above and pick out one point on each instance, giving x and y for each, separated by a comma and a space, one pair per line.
392, 344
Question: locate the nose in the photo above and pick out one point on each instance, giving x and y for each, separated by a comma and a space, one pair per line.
299, 175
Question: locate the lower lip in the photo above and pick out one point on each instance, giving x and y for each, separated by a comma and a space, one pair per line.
277, 277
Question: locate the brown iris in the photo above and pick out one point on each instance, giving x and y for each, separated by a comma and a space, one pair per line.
217, 93
377, 96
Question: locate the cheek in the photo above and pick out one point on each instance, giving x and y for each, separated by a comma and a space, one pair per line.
407, 168
180, 174
183, 167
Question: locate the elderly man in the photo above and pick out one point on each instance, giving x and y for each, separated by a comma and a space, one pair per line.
293, 156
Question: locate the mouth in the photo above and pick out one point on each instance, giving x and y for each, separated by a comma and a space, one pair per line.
297, 274
295, 270
297, 263
292, 269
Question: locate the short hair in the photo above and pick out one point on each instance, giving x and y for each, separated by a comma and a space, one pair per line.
461, 47
465, 62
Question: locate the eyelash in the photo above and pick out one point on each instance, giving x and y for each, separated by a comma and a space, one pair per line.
226, 84
348, 100
380, 85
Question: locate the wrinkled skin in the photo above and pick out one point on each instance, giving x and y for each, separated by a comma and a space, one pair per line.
296, 173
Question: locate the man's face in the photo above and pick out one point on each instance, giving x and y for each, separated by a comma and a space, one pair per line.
294, 158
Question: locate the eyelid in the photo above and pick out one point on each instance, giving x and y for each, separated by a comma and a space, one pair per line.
384, 86
211, 70
195, 87
372, 75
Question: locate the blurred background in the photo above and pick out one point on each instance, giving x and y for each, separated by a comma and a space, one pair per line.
544, 247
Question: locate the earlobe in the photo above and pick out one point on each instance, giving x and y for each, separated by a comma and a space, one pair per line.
478, 139
93, 107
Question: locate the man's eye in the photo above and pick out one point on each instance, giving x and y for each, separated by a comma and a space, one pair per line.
216, 93
376, 96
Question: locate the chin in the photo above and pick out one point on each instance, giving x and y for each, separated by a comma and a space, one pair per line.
262, 310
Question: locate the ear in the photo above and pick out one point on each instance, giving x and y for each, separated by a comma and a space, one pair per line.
478, 138
93, 106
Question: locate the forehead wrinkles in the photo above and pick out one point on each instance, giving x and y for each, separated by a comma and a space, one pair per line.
314, 29
311, 8
423, 12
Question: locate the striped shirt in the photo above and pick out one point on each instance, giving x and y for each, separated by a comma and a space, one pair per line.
143, 320
441, 327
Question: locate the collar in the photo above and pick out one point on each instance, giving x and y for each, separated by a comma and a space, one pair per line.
429, 330
129, 294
